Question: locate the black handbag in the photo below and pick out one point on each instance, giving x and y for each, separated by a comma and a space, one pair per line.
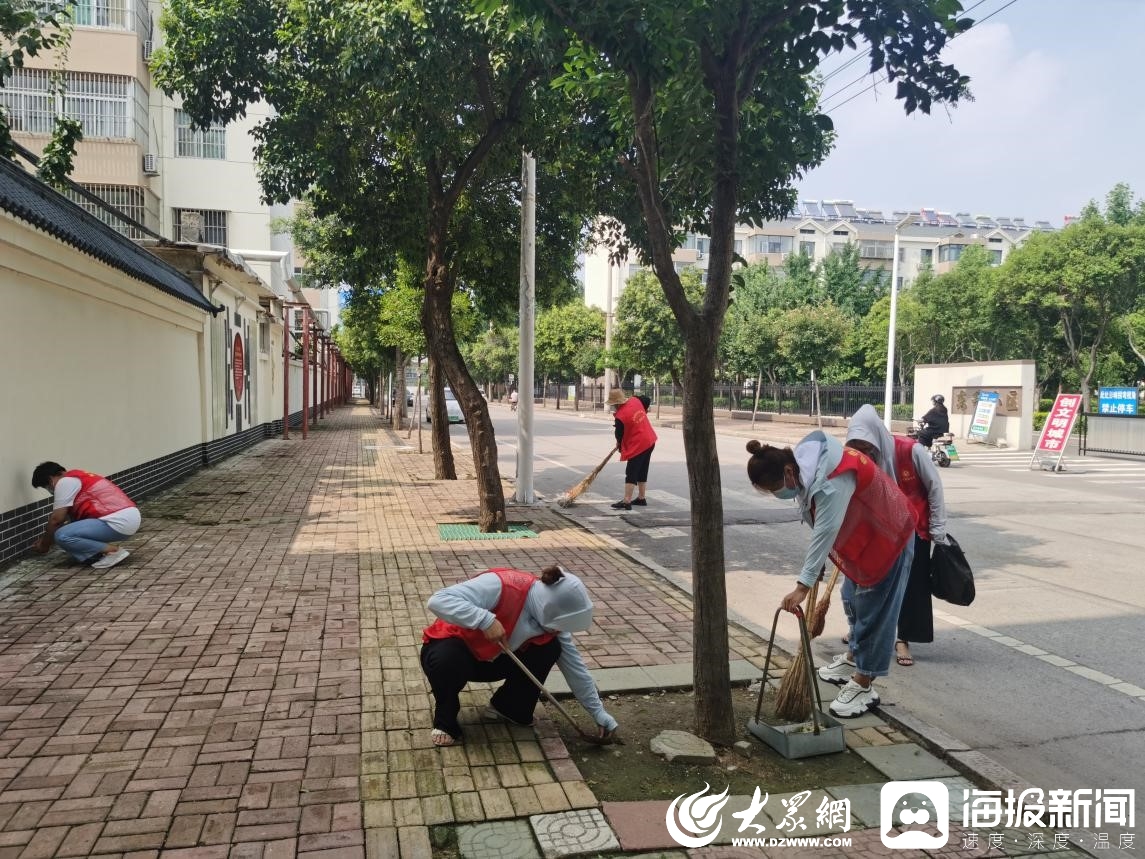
950, 576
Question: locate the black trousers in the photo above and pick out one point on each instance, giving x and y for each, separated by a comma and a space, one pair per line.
916, 617
449, 665
636, 469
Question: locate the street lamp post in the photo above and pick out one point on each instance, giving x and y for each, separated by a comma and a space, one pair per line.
888, 394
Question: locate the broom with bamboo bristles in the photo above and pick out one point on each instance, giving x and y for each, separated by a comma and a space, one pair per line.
795, 698
571, 495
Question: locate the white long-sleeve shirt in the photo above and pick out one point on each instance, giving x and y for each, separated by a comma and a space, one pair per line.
470, 604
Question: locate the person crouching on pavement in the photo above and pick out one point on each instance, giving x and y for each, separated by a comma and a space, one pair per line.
861, 519
636, 440
535, 617
101, 515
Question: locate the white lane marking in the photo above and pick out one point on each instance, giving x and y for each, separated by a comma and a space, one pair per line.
513, 448
1110, 682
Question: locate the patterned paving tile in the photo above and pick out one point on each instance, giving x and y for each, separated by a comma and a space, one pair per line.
572, 833
502, 839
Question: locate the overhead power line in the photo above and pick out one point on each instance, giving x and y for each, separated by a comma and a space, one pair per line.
874, 84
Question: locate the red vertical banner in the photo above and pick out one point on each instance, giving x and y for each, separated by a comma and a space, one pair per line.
1059, 423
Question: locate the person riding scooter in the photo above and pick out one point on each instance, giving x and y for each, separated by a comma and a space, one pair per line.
936, 422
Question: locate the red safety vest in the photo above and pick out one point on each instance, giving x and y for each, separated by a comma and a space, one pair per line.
638, 433
515, 586
911, 486
877, 526
98, 496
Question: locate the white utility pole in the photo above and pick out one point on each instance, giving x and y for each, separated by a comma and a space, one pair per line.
528, 308
888, 395
608, 331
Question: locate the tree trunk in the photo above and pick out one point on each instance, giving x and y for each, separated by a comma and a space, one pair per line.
397, 396
443, 465
437, 322
714, 717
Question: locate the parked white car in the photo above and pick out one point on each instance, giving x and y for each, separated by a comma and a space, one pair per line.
452, 409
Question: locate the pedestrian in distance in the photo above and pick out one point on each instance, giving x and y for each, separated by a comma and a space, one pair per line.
90, 515
936, 422
513, 400
636, 440
858, 517
911, 467
535, 618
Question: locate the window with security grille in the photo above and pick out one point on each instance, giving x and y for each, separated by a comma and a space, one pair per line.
191, 142
128, 199
113, 14
202, 226
29, 101
110, 106
102, 103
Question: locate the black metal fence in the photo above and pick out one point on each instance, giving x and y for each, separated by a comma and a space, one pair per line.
833, 400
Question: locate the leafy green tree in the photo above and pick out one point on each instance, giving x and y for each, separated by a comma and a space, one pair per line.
28, 27
751, 334
492, 357
811, 339
568, 338
646, 338
706, 113
1086, 278
406, 121
850, 285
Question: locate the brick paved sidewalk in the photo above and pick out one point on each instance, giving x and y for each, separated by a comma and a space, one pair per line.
247, 683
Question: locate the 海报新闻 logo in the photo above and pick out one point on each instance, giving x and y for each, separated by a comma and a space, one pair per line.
914, 815
699, 817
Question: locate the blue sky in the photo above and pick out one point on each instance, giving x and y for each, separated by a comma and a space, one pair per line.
1058, 119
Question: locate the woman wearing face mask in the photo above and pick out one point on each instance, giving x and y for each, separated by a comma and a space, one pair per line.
535, 617
860, 519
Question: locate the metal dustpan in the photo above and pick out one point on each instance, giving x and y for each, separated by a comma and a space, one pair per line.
823, 735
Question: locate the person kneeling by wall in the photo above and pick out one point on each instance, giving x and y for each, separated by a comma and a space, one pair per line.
100, 515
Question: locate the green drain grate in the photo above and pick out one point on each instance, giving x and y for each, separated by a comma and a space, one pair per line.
470, 531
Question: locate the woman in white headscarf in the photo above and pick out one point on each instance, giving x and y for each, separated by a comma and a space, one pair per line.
909, 463
535, 617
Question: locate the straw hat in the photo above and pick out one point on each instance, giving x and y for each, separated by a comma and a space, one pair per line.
616, 397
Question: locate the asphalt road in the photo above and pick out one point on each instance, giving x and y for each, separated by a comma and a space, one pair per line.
1045, 672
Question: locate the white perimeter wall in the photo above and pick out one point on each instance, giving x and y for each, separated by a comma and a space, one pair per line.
1016, 432
100, 371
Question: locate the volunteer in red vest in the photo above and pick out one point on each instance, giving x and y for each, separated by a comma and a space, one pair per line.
909, 463
535, 617
860, 520
636, 438
100, 515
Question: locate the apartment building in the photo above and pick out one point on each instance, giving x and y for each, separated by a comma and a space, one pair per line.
140, 153
927, 239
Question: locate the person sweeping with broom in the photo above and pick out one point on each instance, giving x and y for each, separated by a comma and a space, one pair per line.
860, 518
535, 618
636, 440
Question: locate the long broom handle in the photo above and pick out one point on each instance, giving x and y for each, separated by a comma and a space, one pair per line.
548, 695
598, 469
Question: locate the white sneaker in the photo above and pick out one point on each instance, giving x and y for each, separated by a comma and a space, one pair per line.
108, 561
838, 670
853, 700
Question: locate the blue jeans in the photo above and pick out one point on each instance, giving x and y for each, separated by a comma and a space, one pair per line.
84, 539
873, 615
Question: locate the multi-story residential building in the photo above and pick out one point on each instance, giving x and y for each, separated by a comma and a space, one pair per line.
927, 239
140, 153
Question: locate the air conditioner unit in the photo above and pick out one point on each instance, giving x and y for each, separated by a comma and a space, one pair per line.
151, 164
148, 47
